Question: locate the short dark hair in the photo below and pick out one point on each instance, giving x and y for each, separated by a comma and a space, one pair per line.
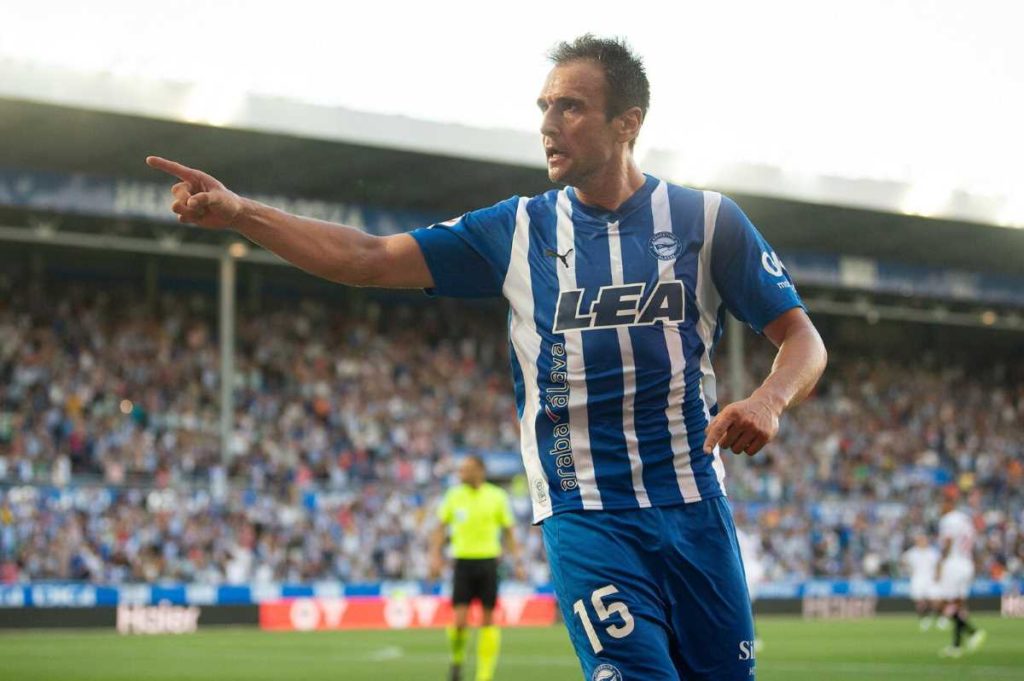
623, 70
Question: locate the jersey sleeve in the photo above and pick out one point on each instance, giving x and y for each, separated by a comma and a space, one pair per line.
468, 257
750, 278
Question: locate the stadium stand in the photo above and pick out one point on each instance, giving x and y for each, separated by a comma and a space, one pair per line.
350, 416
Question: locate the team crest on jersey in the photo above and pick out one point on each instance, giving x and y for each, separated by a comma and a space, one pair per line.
541, 490
606, 672
665, 246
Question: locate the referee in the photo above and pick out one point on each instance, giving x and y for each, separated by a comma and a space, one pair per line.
478, 513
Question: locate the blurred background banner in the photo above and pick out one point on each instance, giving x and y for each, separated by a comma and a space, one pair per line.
77, 595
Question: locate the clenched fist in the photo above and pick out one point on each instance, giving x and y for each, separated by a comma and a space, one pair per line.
744, 427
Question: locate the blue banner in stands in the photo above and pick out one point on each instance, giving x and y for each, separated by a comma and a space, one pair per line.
79, 194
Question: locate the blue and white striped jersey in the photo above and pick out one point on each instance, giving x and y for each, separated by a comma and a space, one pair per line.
613, 318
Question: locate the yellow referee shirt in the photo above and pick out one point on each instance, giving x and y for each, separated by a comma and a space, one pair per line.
476, 518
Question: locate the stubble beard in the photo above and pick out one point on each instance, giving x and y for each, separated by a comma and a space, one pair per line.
570, 177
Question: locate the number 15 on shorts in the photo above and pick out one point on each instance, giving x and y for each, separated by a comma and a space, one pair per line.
604, 611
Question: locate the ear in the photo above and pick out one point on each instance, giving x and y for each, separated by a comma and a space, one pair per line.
629, 122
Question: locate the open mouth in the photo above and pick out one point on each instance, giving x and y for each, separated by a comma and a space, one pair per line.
555, 155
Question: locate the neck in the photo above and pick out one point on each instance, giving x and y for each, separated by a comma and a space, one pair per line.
612, 185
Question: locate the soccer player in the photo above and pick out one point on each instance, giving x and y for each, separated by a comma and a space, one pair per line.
753, 568
954, 575
479, 515
921, 560
617, 285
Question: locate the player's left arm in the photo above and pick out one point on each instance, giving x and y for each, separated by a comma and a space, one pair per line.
748, 425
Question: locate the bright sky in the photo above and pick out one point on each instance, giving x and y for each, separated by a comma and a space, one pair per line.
930, 93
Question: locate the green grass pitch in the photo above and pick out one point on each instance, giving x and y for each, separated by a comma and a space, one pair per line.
795, 650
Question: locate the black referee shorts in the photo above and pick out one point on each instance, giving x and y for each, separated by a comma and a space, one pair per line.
476, 579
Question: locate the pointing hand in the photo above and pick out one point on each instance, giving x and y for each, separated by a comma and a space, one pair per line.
199, 199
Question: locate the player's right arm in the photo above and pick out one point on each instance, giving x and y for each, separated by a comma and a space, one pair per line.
342, 254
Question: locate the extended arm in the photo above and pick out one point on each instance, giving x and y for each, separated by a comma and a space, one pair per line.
342, 254
339, 253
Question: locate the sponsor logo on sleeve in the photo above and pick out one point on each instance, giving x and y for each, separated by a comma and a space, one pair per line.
771, 263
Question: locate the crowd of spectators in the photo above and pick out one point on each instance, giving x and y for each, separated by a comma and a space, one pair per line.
350, 415
861, 467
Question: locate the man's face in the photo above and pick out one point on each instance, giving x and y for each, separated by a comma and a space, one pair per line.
469, 472
578, 138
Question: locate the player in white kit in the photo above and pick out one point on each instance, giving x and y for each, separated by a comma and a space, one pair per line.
955, 574
753, 570
921, 560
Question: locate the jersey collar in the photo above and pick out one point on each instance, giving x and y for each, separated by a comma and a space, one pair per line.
638, 199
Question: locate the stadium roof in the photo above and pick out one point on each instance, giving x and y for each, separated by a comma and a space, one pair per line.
185, 103
52, 119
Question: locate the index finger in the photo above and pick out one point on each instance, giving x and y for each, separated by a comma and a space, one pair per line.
179, 171
716, 430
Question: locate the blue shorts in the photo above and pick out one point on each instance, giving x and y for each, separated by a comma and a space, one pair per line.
653, 594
